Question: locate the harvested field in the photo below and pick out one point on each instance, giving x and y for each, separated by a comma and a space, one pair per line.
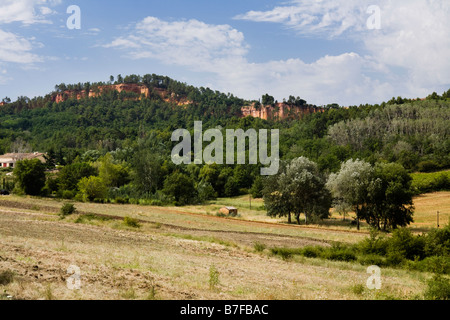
164, 260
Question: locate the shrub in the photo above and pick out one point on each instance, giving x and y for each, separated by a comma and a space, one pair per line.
156, 203
438, 288
6, 277
131, 222
435, 264
312, 252
67, 209
394, 258
91, 217
405, 244
286, 253
427, 166
30, 175
68, 194
374, 245
430, 182
213, 278
437, 242
120, 200
358, 289
92, 189
341, 255
340, 252
259, 247
372, 260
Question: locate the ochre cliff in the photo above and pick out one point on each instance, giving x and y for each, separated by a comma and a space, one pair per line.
279, 111
141, 90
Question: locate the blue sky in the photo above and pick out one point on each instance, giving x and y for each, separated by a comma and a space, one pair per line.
320, 50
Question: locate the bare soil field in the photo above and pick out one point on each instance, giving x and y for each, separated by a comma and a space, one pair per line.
164, 259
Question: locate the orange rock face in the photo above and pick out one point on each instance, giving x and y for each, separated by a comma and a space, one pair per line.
280, 111
138, 89
135, 88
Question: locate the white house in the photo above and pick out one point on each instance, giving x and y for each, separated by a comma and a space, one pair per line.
9, 160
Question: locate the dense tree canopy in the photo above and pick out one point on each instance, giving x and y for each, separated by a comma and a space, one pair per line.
125, 141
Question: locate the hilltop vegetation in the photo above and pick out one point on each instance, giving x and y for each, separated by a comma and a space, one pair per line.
117, 146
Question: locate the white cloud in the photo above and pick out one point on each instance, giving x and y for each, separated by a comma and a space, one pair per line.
16, 49
408, 56
221, 51
326, 17
26, 11
188, 43
414, 35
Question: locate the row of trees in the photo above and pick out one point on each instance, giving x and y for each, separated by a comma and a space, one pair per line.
381, 194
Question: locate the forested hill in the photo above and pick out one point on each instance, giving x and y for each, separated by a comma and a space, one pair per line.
414, 133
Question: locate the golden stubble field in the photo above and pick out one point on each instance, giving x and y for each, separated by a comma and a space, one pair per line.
172, 254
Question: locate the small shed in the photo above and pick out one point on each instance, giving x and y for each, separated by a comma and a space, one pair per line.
230, 211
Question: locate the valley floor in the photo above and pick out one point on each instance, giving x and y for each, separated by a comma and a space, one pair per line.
171, 256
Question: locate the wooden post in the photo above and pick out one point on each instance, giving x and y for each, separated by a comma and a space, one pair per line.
438, 219
250, 198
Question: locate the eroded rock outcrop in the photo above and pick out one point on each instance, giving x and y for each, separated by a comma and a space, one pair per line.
279, 111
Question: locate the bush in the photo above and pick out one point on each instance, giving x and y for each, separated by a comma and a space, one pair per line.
437, 242
430, 182
259, 247
403, 243
438, 288
91, 217
374, 245
286, 253
156, 203
131, 222
341, 255
394, 258
435, 264
67, 209
120, 200
30, 175
340, 252
312, 252
427, 166
372, 260
213, 278
68, 194
92, 189
6, 277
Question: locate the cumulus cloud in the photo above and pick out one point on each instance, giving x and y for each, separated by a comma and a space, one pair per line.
187, 43
414, 35
221, 51
26, 11
16, 49
321, 17
408, 56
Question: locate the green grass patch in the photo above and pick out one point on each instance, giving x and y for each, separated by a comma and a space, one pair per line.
131, 222
85, 218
